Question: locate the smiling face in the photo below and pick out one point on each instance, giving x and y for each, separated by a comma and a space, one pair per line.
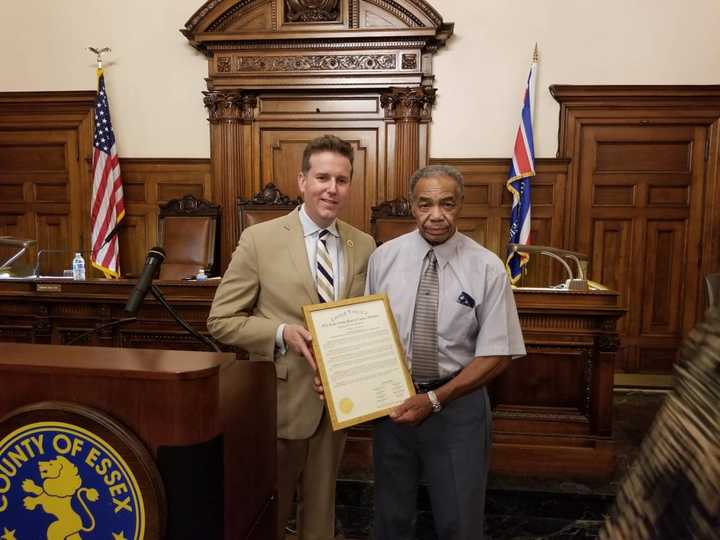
325, 187
436, 204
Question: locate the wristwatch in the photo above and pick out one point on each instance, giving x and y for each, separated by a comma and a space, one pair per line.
434, 401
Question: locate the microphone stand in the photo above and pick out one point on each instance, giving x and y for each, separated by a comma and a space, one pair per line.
101, 327
157, 293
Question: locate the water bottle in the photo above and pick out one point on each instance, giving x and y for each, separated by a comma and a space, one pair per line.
201, 275
78, 266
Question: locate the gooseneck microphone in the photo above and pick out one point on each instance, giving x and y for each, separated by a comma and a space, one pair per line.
154, 259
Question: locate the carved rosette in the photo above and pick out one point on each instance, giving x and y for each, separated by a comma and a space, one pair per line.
271, 195
229, 106
311, 10
396, 208
408, 104
608, 342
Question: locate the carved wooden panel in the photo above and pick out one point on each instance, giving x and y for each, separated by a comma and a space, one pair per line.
39, 176
279, 70
644, 178
147, 184
644, 199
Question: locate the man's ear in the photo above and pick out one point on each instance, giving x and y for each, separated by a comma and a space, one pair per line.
301, 181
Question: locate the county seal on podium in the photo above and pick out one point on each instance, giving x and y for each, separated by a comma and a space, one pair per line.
75, 478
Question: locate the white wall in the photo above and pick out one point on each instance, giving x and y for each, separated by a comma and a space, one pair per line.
155, 78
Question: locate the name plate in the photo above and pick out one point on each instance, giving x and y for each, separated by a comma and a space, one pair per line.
48, 287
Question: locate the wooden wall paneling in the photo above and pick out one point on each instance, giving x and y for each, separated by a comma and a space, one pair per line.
40, 176
147, 183
643, 193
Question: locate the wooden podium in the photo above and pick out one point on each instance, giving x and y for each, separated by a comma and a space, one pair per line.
207, 421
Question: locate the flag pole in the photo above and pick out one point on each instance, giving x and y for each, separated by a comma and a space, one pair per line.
522, 169
107, 207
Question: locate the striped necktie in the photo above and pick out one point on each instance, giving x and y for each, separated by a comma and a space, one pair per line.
424, 331
325, 280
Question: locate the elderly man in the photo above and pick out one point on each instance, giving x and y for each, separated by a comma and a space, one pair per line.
457, 320
306, 257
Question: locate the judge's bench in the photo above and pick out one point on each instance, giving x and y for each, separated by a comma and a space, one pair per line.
552, 408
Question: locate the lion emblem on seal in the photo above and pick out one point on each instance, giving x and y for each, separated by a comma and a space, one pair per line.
60, 483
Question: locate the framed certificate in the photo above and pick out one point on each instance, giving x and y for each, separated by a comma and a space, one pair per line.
359, 357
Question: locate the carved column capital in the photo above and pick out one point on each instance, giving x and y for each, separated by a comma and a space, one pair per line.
408, 104
229, 106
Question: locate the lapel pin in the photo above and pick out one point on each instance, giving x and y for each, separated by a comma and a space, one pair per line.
349, 243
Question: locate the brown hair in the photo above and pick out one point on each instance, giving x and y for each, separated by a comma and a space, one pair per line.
327, 143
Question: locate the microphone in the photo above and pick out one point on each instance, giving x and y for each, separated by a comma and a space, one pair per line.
154, 259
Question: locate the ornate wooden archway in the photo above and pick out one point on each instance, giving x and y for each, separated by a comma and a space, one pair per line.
282, 72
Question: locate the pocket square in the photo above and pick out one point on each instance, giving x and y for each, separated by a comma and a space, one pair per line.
466, 300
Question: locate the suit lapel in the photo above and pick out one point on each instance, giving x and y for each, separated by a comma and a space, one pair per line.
348, 256
298, 254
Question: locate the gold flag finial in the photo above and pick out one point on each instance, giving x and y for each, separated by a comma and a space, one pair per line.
99, 52
535, 55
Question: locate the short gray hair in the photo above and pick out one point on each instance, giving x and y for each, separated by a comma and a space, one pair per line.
434, 171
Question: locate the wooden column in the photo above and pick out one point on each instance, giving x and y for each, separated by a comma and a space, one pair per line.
229, 111
408, 108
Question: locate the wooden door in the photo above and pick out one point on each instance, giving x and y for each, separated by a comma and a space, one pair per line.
639, 216
39, 183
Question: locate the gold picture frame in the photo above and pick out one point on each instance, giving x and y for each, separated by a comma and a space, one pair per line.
360, 358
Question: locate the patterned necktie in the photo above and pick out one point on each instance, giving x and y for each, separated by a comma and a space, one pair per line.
424, 331
325, 280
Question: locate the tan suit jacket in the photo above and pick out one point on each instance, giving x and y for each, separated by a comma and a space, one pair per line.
267, 283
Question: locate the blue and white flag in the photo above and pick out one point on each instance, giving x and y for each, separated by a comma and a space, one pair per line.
518, 182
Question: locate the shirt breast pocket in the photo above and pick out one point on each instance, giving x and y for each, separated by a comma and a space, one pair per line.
458, 320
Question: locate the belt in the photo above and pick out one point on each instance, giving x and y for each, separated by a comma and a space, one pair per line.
424, 386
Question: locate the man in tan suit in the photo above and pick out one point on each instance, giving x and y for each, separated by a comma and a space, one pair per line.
306, 257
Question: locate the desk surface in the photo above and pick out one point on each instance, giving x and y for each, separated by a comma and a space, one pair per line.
107, 361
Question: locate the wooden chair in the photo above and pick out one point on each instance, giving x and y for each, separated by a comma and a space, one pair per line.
188, 231
265, 205
390, 219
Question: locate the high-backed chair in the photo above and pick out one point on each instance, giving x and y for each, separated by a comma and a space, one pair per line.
712, 288
188, 231
265, 205
390, 219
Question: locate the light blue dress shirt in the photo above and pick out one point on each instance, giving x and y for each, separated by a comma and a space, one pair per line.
468, 274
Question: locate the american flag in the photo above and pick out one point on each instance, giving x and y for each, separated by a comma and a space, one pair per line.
522, 169
107, 206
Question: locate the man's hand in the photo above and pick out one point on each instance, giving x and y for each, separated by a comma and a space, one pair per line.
413, 410
317, 385
299, 339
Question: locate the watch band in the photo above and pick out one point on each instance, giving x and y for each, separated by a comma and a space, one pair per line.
434, 401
